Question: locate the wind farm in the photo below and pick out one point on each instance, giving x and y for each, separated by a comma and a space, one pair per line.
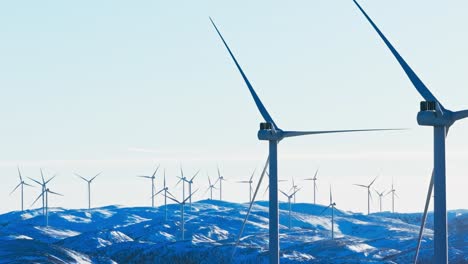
195, 117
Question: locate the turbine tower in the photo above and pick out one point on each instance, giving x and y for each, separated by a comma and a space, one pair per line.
381, 195
290, 196
45, 195
441, 119
190, 182
332, 206
270, 132
22, 184
89, 186
152, 177
182, 211
250, 181
315, 184
43, 184
369, 195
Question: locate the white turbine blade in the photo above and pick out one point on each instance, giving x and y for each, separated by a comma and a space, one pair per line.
35, 181
373, 182
186, 199
209, 181
81, 177
180, 179
157, 168
360, 185
242, 181
175, 200
159, 192
27, 184
460, 114
54, 193
284, 193
423, 220
40, 195
251, 177
219, 173
250, 206
324, 210
50, 179
95, 176
308, 179
295, 192
19, 174
16, 188
316, 172
194, 175
146, 177
304, 133
331, 198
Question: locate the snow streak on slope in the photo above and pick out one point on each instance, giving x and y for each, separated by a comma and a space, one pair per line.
140, 235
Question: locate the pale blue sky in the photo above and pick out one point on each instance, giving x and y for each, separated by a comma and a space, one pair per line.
118, 86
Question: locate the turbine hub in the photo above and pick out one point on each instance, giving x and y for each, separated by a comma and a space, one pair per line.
268, 132
432, 115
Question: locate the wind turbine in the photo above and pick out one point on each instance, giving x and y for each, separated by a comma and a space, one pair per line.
89, 186
441, 119
152, 177
182, 211
294, 187
182, 179
270, 132
268, 186
381, 195
369, 195
220, 179
45, 194
165, 189
250, 181
332, 206
210, 188
290, 196
315, 184
190, 182
393, 192
43, 184
22, 183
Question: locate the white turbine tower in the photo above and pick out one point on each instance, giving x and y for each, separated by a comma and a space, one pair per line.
43, 185
332, 206
250, 181
381, 195
315, 184
89, 186
182, 211
432, 114
290, 196
152, 177
270, 132
369, 195
22, 184
45, 195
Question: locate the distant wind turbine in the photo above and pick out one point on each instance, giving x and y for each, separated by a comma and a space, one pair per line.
250, 181
152, 177
270, 132
432, 113
315, 184
294, 187
290, 196
220, 180
182, 211
89, 186
393, 192
165, 189
43, 184
369, 195
268, 186
22, 183
190, 182
381, 195
45, 195
332, 206
210, 188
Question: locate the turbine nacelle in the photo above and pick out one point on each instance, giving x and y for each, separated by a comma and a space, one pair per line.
269, 132
431, 114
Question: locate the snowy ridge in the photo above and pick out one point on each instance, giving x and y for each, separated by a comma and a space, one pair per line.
115, 234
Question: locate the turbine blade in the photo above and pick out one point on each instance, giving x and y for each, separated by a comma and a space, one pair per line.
460, 114
303, 133
50, 179
54, 193
40, 195
27, 184
250, 206
16, 188
95, 176
316, 172
157, 168
146, 177
19, 174
284, 193
373, 181
242, 181
295, 192
266, 116
35, 181
209, 180
251, 177
417, 83
219, 173
194, 175
160, 191
331, 198
173, 199
423, 220
324, 210
360, 185
81, 177
186, 199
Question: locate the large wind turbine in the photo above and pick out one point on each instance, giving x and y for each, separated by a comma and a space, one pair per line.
250, 181
45, 195
315, 184
369, 195
152, 177
332, 206
182, 211
22, 183
290, 196
381, 195
89, 186
441, 119
270, 132
43, 184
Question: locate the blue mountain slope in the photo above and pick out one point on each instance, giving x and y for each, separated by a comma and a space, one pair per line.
116, 234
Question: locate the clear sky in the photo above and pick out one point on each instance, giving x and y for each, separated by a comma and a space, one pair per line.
120, 86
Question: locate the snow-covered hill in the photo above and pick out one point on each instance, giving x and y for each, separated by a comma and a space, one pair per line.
116, 234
